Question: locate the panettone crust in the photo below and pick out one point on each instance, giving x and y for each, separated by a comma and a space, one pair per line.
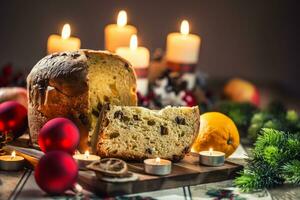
58, 86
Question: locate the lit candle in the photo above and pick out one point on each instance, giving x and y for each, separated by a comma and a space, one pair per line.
212, 158
158, 166
57, 43
11, 162
85, 159
117, 35
183, 47
139, 57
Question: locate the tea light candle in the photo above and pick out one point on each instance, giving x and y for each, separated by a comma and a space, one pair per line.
57, 43
212, 158
85, 159
158, 166
11, 162
139, 57
183, 47
117, 35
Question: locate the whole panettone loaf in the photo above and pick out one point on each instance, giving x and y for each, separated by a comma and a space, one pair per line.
136, 133
75, 85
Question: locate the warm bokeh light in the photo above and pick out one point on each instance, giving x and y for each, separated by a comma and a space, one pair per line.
13, 154
133, 42
66, 31
122, 18
184, 28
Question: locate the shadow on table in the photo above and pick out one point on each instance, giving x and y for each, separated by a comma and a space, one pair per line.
286, 191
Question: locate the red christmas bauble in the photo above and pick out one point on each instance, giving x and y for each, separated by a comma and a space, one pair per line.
59, 134
13, 118
189, 99
56, 172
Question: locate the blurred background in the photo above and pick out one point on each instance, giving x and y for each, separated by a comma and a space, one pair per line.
256, 40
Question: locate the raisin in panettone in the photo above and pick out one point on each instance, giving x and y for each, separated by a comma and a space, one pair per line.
75, 85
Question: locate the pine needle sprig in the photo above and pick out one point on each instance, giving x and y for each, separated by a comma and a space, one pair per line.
256, 179
293, 144
268, 137
248, 181
272, 155
274, 160
291, 172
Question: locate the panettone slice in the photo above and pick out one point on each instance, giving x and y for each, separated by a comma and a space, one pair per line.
136, 133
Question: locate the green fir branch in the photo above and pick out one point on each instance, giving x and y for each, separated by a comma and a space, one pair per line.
269, 163
291, 172
268, 137
272, 155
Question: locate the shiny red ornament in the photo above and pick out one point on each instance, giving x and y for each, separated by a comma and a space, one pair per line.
189, 99
13, 118
56, 172
59, 134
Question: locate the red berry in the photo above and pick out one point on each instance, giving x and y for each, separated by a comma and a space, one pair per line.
59, 134
256, 98
56, 172
13, 118
189, 99
143, 100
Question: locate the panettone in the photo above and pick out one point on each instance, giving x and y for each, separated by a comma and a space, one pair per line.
75, 85
136, 133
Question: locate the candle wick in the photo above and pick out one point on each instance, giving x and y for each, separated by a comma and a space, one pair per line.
157, 160
210, 151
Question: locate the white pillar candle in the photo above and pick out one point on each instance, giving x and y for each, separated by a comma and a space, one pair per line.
117, 35
57, 43
183, 47
139, 57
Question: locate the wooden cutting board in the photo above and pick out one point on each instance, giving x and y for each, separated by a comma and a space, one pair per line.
184, 173
187, 172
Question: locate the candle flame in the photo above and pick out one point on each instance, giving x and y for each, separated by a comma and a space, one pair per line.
185, 28
157, 160
66, 31
133, 42
211, 151
86, 154
13, 154
122, 18
77, 152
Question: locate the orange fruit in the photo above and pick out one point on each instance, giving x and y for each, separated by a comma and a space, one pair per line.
217, 131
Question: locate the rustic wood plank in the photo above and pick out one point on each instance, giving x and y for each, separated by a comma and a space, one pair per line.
184, 173
187, 172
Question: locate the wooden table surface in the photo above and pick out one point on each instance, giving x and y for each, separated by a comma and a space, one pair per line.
10, 180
